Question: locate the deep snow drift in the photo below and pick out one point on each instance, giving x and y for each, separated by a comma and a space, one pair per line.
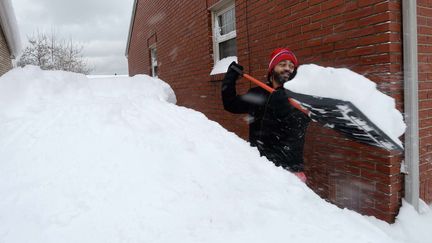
115, 160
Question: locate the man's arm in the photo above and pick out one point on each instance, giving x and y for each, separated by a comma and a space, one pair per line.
231, 101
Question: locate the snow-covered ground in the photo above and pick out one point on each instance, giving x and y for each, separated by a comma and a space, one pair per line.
108, 76
115, 160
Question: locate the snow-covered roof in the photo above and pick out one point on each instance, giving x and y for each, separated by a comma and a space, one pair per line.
9, 26
131, 27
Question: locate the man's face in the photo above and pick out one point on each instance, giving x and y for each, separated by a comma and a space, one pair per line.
282, 71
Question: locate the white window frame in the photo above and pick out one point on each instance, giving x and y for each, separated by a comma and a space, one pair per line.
153, 48
218, 10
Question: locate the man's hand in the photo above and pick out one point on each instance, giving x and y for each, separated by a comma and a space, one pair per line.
279, 104
279, 99
232, 75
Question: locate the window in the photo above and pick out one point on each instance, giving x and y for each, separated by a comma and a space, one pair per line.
153, 62
224, 32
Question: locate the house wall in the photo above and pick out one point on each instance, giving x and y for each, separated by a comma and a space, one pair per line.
424, 21
363, 35
5, 61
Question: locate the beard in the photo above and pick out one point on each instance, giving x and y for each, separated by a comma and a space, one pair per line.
283, 77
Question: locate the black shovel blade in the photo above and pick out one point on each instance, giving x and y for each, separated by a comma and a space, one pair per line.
347, 119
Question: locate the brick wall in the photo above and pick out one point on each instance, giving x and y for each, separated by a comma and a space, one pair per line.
5, 61
424, 20
364, 36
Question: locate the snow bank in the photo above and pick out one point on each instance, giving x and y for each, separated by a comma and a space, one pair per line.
111, 160
410, 226
108, 76
343, 84
222, 65
27, 88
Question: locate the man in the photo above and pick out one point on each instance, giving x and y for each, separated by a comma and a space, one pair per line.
276, 128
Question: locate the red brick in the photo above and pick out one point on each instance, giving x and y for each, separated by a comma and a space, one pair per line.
363, 3
311, 27
331, 4
375, 176
427, 12
389, 189
360, 51
314, 2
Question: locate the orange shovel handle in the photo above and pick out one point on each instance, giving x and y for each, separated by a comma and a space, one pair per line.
259, 83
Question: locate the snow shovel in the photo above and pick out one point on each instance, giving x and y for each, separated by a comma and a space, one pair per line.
339, 115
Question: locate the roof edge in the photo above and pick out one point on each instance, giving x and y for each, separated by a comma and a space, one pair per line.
132, 21
10, 27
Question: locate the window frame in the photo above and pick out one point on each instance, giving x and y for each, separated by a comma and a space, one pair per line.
216, 37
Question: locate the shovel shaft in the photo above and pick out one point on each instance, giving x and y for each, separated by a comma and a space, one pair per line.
259, 83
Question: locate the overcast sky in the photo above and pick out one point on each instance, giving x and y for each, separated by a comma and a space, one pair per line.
102, 26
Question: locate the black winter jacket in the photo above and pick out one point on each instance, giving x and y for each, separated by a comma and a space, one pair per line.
276, 128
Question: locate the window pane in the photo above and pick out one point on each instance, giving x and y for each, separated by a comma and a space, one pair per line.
155, 72
154, 64
227, 21
228, 48
154, 56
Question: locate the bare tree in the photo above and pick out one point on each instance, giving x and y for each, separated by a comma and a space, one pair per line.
50, 53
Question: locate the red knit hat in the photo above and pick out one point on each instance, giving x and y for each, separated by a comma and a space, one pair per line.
279, 55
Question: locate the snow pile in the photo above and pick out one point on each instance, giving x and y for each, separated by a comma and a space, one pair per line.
114, 160
344, 84
30, 88
222, 65
108, 76
410, 226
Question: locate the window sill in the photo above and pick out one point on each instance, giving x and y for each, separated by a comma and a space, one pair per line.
217, 77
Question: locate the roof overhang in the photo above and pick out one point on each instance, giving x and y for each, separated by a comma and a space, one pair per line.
131, 27
9, 26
